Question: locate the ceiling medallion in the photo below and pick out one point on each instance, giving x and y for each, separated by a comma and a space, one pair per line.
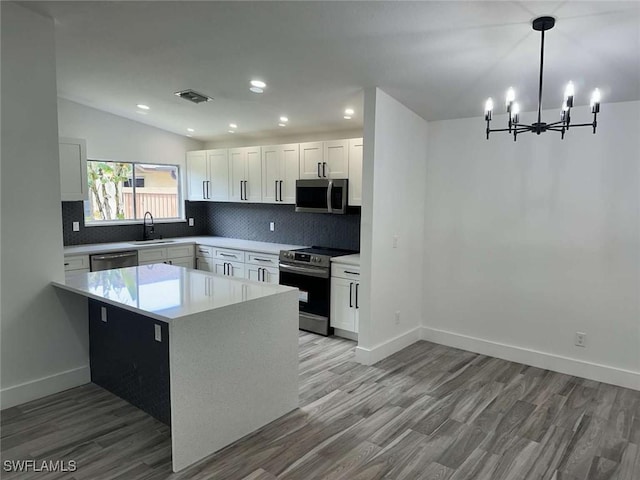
541, 25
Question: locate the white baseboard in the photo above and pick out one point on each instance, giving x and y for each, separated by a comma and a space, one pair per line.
25, 392
369, 356
548, 361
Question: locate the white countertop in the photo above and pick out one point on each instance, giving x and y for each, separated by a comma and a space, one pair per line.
353, 259
166, 292
224, 242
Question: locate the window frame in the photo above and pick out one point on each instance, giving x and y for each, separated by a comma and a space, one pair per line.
135, 221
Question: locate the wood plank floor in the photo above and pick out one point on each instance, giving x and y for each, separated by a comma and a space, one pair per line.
427, 412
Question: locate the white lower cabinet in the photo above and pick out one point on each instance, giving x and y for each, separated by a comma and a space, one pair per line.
76, 263
230, 269
180, 255
255, 266
345, 299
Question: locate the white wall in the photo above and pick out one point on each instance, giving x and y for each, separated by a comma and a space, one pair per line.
527, 243
238, 141
43, 343
395, 151
110, 137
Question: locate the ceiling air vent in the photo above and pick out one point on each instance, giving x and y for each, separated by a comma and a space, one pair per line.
192, 96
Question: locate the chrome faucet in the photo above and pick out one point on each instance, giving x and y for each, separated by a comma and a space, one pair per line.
148, 230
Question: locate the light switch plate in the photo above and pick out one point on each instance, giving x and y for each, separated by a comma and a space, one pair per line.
158, 332
76, 226
191, 222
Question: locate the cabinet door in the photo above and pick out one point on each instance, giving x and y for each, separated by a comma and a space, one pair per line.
230, 269
271, 173
205, 264
289, 173
262, 274
356, 310
336, 159
253, 175
355, 172
73, 169
186, 262
218, 161
197, 175
237, 173
311, 158
342, 304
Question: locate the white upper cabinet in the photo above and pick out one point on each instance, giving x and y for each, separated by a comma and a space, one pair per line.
245, 179
311, 160
336, 159
197, 175
208, 175
218, 161
73, 169
280, 170
355, 172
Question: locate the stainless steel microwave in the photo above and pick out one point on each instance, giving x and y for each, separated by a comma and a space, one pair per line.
322, 195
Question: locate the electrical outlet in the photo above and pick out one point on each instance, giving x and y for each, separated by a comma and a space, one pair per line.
398, 317
272, 226
103, 314
581, 339
395, 241
76, 226
191, 222
157, 332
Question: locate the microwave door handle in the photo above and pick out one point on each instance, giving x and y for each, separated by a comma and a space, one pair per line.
329, 189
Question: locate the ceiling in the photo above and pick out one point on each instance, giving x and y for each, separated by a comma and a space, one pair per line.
441, 59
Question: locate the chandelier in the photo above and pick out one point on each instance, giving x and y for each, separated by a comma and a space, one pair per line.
541, 25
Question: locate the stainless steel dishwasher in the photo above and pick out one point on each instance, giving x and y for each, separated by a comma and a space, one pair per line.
107, 261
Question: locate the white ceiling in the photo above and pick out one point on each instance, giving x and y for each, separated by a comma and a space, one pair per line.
441, 59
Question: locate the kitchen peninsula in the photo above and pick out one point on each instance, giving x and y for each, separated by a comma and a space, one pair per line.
214, 357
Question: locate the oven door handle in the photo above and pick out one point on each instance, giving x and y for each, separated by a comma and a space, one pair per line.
311, 272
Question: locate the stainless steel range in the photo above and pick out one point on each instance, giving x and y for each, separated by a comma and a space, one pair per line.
309, 270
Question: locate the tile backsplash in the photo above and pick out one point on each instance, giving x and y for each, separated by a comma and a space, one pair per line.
249, 221
73, 212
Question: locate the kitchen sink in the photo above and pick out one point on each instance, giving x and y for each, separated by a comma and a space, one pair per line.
151, 242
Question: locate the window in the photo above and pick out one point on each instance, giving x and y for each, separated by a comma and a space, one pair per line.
123, 192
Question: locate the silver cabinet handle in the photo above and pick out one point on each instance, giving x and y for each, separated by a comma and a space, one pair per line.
329, 207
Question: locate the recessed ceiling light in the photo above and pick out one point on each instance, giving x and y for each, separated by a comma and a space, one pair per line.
258, 83
256, 89
190, 130
282, 124
284, 119
142, 106
349, 111
231, 131
347, 117
233, 125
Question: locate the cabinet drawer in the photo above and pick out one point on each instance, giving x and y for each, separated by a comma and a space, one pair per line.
350, 272
262, 259
229, 255
152, 254
77, 262
204, 251
180, 251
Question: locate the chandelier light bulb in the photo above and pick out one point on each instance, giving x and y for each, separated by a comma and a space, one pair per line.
569, 92
515, 112
595, 101
511, 96
488, 108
